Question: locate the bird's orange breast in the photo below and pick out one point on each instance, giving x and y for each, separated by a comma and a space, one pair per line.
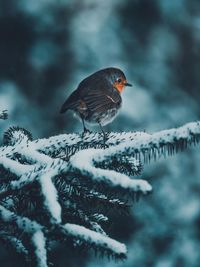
119, 86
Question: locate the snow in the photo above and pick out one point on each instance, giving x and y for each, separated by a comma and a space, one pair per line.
14, 166
43, 168
51, 195
34, 156
145, 142
27, 225
40, 248
95, 238
17, 244
18, 137
5, 214
85, 165
135, 140
30, 227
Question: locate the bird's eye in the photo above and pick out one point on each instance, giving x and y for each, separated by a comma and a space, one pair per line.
119, 80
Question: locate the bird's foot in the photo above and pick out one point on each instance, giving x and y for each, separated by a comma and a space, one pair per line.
105, 138
85, 131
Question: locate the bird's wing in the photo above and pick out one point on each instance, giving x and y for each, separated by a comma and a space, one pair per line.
102, 98
93, 96
72, 102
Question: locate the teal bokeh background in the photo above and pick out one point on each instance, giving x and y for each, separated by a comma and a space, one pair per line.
47, 47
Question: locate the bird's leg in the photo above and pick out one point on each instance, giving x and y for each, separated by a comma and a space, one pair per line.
104, 134
85, 130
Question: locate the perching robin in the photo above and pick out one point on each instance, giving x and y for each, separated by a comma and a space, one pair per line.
97, 98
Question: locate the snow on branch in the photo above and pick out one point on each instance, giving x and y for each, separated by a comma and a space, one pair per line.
13, 242
95, 238
61, 188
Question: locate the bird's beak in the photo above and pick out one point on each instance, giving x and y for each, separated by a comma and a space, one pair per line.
128, 84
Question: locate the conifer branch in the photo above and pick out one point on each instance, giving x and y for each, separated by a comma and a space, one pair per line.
57, 189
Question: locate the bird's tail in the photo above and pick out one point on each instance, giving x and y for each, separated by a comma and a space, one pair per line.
71, 102
65, 107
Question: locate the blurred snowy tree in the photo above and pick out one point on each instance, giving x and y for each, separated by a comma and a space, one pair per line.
4, 115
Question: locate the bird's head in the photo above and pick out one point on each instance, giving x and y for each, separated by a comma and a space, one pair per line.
117, 78
120, 83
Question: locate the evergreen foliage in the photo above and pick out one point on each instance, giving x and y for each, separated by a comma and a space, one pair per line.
61, 189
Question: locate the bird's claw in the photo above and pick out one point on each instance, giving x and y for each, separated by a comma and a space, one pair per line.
104, 146
105, 138
85, 131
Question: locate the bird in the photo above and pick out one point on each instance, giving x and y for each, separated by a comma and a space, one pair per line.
97, 98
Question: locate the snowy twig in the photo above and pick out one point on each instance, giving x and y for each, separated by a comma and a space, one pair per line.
96, 239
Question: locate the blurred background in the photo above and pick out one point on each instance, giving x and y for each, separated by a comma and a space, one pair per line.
48, 46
